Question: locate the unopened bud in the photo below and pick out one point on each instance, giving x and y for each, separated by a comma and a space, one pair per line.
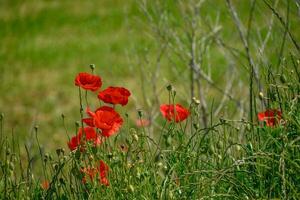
92, 66
8, 151
169, 87
283, 78
196, 101
159, 164
135, 137
174, 93
140, 113
77, 124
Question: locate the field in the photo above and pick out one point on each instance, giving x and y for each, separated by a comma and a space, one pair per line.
226, 62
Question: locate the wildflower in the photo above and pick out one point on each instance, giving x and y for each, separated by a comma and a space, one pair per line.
103, 170
45, 185
74, 143
174, 112
106, 119
115, 95
88, 81
90, 172
142, 122
100, 171
90, 120
90, 135
272, 117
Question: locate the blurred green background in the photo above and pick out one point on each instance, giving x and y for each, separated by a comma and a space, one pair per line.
44, 44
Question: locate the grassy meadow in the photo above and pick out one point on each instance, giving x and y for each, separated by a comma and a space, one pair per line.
225, 61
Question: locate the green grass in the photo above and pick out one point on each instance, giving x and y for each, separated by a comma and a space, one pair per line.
45, 44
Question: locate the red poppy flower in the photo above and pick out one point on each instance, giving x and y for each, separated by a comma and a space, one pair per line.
45, 185
176, 113
107, 119
90, 172
142, 122
90, 120
90, 135
88, 81
74, 143
102, 169
115, 95
272, 117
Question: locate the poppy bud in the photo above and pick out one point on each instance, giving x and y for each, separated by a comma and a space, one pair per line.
222, 120
283, 78
174, 93
55, 166
91, 157
261, 95
169, 87
140, 113
7, 151
62, 181
135, 137
92, 66
46, 157
77, 124
36, 127
58, 151
159, 164
2, 116
196, 126
196, 101
63, 116
110, 155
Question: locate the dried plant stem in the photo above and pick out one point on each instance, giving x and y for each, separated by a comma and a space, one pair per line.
252, 73
284, 24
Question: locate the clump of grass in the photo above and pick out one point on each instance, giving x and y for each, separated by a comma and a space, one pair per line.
226, 160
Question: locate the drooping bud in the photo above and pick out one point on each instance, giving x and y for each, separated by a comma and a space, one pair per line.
169, 87
92, 66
